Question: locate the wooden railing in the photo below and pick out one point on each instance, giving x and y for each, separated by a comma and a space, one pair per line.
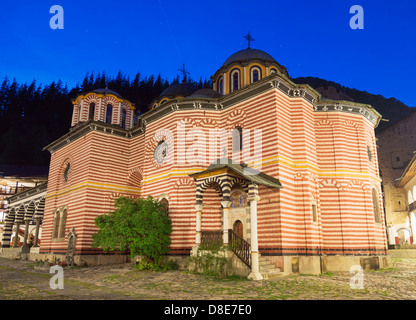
211, 237
240, 247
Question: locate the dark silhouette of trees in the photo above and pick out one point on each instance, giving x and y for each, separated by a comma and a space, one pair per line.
32, 116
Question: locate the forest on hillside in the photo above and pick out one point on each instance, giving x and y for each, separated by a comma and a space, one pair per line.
32, 116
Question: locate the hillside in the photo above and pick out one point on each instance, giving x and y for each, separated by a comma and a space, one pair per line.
391, 109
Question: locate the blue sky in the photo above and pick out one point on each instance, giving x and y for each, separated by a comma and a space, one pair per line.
310, 38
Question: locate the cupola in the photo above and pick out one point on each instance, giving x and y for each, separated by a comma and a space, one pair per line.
103, 105
245, 67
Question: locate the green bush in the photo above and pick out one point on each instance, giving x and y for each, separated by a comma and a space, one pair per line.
141, 225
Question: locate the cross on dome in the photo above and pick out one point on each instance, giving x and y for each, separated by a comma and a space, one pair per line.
249, 38
184, 72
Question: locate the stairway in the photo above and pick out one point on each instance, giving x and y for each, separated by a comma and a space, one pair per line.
268, 270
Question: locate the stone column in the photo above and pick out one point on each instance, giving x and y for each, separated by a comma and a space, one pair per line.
225, 212
16, 237
255, 270
35, 242
198, 208
26, 232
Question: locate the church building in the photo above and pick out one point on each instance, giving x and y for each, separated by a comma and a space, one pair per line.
257, 160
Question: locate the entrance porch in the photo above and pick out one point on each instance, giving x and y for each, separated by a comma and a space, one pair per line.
225, 176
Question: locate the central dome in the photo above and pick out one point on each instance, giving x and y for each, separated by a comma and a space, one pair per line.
249, 54
179, 89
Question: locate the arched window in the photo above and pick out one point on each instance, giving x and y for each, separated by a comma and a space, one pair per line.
255, 74
109, 113
237, 139
55, 228
220, 86
62, 224
91, 111
59, 223
238, 199
235, 80
67, 172
123, 118
376, 206
273, 70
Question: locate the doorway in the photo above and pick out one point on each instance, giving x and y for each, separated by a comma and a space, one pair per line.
238, 228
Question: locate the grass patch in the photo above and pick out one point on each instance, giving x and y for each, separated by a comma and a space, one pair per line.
112, 277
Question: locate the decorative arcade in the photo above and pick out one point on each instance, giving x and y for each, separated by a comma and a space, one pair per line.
23, 223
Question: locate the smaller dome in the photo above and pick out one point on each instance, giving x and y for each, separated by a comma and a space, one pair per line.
107, 91
205, 93
179, 89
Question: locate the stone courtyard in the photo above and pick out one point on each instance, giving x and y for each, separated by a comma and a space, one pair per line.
20, 281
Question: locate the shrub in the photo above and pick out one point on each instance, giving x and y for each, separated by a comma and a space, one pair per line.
141, 225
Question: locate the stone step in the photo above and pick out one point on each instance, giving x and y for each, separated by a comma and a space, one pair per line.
263, 263
268, 269
272, 275
274, 270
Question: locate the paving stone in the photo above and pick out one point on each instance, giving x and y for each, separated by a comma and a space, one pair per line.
19, 280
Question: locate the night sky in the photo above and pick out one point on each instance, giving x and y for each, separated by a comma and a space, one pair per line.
310, 38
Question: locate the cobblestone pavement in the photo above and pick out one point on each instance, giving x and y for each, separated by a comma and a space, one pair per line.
19, 280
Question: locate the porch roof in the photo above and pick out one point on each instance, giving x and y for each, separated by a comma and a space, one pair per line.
250, 174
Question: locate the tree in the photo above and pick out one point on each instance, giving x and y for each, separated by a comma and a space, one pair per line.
141, 225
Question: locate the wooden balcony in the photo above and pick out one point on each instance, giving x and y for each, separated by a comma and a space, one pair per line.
12, 190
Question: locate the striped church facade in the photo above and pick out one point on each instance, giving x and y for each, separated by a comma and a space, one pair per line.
323, 155
308, 164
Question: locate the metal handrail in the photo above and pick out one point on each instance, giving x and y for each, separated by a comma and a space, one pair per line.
211, 237
240, 247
